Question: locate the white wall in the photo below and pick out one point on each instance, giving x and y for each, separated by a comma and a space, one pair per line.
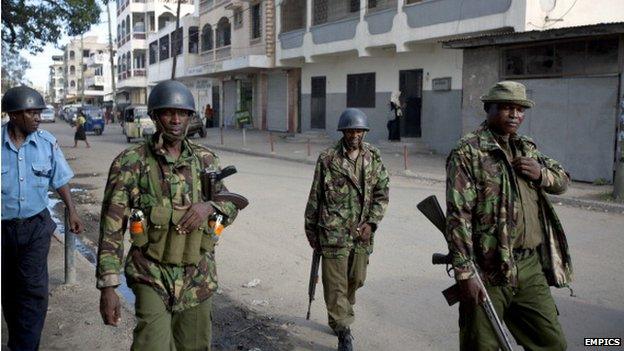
431, 58
574, 13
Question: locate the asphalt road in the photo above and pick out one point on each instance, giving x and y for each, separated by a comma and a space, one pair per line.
400, 307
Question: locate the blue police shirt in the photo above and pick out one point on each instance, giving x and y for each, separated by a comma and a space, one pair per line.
29, 171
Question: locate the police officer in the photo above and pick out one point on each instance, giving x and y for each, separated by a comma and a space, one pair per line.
31, 162
171, 265
348, 199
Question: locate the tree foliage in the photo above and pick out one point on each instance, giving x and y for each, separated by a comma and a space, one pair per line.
14, 68
30, 24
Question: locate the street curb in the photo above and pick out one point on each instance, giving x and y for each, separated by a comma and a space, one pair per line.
591, 205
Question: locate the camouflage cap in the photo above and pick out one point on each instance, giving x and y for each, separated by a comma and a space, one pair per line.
508, 91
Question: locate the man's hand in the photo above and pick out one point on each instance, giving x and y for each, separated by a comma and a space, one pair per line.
527, 167
110, 307
195, 216
365, 230
75, 223
471, 293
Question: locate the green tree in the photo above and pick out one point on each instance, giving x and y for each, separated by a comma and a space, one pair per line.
30, 24
14, 67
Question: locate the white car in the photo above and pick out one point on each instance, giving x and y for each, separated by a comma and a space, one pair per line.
47, 115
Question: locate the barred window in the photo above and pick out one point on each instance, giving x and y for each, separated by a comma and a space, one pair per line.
164, 47
193, 40
206, 39
256, 21
361, 90
223, 32
153, 52
176, 42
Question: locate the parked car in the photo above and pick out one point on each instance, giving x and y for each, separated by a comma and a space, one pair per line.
95, 119
47, 115
136, 122
196, 126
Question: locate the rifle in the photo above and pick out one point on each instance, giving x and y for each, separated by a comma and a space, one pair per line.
314, 276
432, 210
209, 178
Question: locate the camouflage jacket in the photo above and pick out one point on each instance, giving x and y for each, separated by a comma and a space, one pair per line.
128, 185
338, 203
482, 209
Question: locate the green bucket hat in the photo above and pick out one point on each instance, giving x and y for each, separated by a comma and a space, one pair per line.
508, 91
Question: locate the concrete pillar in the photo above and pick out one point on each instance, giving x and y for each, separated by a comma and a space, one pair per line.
309, 14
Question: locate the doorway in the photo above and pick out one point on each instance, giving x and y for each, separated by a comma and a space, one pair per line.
317, 108
410, 84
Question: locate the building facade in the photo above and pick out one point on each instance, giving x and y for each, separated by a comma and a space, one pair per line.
574, 75
136, 20
235, 67
76, 55
56, 87
354, 53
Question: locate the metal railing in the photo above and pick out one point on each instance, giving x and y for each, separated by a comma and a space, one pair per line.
70, 250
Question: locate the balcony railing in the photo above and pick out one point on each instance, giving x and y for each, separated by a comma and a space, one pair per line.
139, 72
223, 53
138, 35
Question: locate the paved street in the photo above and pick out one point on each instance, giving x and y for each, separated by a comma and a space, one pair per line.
400, 307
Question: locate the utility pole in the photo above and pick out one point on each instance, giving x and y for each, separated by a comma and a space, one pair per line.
82, 71
618, 183
111, 56
178, 42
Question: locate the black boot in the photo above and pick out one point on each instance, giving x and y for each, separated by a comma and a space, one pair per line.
345, 340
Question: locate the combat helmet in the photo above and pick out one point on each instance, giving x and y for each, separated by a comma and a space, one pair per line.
170, 94
22, 98
352, 118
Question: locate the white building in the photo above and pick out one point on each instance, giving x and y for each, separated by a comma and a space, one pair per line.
354, 53
136, 19
98, 79
56, 87
76, 58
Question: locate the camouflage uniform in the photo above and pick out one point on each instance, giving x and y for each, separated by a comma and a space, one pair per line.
345, 194
181, 286
483, 206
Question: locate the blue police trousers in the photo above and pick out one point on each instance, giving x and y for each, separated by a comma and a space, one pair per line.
25, 246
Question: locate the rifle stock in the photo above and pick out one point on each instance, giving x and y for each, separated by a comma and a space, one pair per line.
432, 210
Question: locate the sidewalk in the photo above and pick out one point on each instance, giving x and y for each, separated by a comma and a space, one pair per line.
73, 321
421, 164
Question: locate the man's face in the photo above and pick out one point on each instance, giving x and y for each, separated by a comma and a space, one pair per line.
353, 138
173, 121
26, 121
505, 118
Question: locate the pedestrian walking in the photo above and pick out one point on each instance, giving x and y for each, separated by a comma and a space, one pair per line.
347, 201
31, 163
499, 217
171, 265
394, 121
80, 129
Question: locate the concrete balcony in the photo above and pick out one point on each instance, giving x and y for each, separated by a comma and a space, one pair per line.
129, 81
97, 60
94, 81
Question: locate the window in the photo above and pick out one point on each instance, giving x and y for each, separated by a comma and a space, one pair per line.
372, 4
193, 43
238, 18
223, 32
591, 56
153, 52
354, 5
293, 15
164, 48
206, 39
72, 55
72, 70
85, 53
72, 84
361, 90
139, 60
176, 42
255, 21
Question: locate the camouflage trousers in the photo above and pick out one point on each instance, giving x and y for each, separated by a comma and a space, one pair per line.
529, 312
342, 276
158, 329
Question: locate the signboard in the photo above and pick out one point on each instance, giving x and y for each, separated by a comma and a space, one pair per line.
441, 84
